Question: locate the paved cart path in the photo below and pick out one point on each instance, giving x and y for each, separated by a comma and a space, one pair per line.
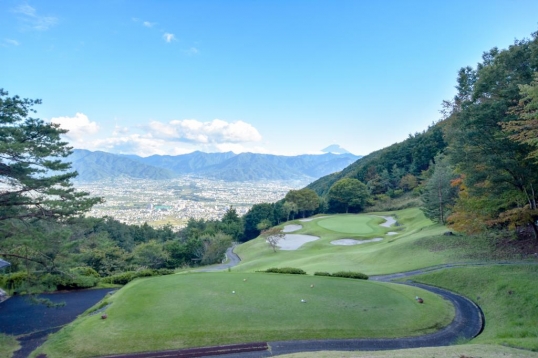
32, 323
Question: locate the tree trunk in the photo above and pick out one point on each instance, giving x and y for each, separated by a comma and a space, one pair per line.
440, 196
535, 229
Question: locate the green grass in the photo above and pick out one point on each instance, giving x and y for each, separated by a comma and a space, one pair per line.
353, 224
461, 351
394, 254
507, 295
199, 309
8, 345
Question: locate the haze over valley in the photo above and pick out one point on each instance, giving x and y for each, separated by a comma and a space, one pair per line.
175, 201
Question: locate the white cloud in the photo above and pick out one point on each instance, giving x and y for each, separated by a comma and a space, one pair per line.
172, 138
118, 130
79, 126
35, 21
168, 37
148, 24
12, 42
194, 131
192, 51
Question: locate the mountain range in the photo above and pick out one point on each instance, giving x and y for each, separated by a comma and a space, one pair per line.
228, 166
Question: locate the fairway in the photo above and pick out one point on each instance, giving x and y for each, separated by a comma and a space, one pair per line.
201, 310
352, 224
394, 253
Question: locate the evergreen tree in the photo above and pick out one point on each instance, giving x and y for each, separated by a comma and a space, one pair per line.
439, 194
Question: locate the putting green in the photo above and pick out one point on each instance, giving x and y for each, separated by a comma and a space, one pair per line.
351, 224
205, 309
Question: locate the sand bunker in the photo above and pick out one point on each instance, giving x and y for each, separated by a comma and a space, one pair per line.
294, 241
390, 221
392, 233
292, 228
349, 242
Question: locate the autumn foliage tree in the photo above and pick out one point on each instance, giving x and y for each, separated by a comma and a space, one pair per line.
488, 138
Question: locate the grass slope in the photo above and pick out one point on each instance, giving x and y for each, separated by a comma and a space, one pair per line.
396, 253
506, 294
8, 345
189, 310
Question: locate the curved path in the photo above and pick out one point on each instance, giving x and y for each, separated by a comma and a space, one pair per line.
467, 324
232, 260
32, 323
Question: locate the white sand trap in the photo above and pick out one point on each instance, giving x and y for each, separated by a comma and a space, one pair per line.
349, 242
292, 228
294, 241
310, 219
392, 233
390, 221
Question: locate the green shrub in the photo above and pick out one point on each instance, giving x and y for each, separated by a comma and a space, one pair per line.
71, 281
84, 271
322, 274
350, 274
288, 270
14, 280
122, 278
126, 277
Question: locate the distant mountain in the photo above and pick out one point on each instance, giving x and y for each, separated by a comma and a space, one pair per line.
187, 163
93, 166
227, 166
336, 149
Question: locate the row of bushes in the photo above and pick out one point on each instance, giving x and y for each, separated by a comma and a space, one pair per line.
79, 277
126, 277
296, 271
289, 270
345, 274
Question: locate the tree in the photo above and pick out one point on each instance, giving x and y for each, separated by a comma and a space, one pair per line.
525, 130
289, 207
498, 174
408, 182
305, 199
35, 181
215, 248
254, 216
37, 197
273, 236
347, 193
150, 254
439, 194
231, 224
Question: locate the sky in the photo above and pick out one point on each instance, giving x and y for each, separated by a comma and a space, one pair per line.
266, 76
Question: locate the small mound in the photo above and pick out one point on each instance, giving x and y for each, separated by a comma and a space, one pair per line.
349, 242
292, 228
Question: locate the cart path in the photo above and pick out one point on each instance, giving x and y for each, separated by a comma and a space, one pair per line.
32, 323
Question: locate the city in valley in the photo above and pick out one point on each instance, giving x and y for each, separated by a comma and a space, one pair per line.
175, 201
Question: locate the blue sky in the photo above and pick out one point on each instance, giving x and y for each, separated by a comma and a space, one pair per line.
282, 77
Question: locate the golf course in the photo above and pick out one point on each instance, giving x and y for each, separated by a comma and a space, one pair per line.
244, 304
